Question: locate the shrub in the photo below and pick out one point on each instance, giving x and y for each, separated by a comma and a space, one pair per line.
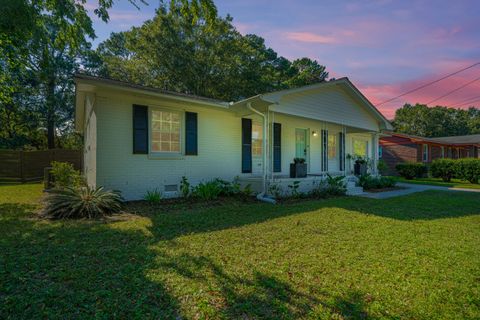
84, 202
276, 190
153, 196
185, 187
369, 182
382, 166
294, 192
443, 168
65, 175
331, 186
468, 169
210, 190
336, 185
410, 170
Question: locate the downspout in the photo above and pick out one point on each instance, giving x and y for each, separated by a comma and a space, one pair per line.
263, 195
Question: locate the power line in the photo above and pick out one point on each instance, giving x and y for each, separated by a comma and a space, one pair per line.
465, 101
429, 83
460, 105
454, 90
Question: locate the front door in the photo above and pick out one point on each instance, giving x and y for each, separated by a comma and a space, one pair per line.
301, 143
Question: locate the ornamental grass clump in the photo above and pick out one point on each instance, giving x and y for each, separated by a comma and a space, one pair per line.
83, 202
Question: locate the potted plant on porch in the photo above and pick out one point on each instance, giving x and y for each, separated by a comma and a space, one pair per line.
360, 167
298, 169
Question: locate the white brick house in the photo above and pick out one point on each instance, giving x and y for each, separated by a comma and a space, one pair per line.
139, 138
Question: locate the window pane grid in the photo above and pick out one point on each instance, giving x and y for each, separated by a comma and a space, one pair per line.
360, 147
257, 139
165, 131
332, 147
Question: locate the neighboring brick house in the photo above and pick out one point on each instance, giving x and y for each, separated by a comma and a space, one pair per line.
398, 147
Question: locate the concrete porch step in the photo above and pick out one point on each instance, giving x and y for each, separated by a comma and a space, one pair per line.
351, 184
354, 191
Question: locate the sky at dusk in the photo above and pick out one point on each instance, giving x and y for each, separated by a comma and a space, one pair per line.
384, 47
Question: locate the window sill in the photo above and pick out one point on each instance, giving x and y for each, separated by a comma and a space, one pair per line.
160, 156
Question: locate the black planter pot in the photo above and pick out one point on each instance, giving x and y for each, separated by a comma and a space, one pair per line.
359, 169
298, 170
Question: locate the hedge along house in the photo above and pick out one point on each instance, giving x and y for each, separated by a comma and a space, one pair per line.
139, 138
397, 148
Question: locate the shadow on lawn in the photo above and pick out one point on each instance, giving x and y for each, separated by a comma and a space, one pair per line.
78, 269
263, 296
427, 205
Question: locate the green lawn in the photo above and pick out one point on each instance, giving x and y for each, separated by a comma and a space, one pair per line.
455, 183
413, 257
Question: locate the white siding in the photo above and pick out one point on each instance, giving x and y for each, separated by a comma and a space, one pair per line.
331, 104
219, 149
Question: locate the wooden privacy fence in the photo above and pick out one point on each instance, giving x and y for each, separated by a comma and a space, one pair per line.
23, 166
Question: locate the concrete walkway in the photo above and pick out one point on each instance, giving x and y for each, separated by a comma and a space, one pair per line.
409, 188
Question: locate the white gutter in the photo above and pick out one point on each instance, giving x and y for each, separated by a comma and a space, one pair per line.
263, 195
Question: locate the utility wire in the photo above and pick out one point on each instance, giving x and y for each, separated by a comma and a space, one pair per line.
429, 83
465, 101
463, 104
454, 90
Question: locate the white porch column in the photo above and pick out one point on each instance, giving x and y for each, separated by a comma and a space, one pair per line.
375, 142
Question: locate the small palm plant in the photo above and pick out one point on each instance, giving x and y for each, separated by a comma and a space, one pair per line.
84, 202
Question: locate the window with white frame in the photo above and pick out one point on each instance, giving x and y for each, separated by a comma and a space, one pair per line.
360, 147
332, 146
257, 139
425, 153
443, 151
165, 131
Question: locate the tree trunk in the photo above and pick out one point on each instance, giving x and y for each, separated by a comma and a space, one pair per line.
50, 99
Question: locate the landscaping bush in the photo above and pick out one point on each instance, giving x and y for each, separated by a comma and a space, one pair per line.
382, 166
84, 202
468, 169
215, 188
210, 190
369, 182
185, 187
153, 196
331, 186
65, 175
336, 186
443, 168
410, 170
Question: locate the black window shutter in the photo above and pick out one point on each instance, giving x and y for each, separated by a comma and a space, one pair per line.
324, 150
277, 147
140, 129
246, 145
191, 137
341, 142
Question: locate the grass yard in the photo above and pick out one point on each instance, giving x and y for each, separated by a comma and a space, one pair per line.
413, 257
455, 183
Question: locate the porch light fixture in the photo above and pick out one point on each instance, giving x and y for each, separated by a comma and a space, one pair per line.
314, 133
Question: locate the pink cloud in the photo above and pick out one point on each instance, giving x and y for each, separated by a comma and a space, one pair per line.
243, 28
310, 37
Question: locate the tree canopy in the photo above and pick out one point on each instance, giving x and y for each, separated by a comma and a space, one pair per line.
438, 121
175, 52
